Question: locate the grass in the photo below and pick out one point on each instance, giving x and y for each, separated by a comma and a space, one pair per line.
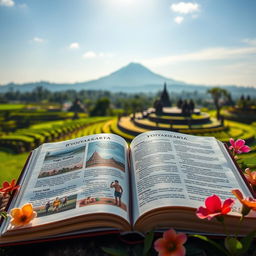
5, 107
11, 165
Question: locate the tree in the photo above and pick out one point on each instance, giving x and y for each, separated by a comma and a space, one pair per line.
218, 94
101, 108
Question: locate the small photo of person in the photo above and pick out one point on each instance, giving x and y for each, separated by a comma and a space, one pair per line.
117, 192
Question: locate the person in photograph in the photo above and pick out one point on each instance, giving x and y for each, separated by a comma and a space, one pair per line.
118, 192
64, 201
56, 204
47, 206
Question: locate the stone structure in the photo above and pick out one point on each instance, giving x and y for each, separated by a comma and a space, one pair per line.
164, 98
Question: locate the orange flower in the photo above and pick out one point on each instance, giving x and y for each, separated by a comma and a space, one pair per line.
171, 244
248, 203
250, 176
9, 187
22, 216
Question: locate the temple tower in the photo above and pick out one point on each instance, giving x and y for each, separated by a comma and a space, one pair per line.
165, 100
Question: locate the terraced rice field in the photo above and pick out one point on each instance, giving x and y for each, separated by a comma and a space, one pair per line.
235, 130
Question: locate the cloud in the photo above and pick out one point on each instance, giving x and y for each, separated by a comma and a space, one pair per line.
92, 55
38, 40
8, 3
209, 54
74, 45
185, 8
250, 41
178, 19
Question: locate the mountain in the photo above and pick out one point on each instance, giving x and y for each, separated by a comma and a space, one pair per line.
132, 78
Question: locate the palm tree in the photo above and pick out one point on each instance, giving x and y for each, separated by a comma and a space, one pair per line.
218, 94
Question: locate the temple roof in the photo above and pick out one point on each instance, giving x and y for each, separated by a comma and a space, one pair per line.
164, 98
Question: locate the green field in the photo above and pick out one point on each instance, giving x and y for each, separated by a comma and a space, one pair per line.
5, 107
11, 164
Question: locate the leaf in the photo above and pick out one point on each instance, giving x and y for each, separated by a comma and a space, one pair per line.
204, 238
115, 252
3, 214
148, 242
233, 245
246, 241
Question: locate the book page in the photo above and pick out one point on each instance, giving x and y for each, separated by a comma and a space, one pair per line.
77, 177
174, 169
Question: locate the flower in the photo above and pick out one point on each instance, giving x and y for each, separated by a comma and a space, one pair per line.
239, 146
171, 244
9, 187
22, 216
248, 203
250, 176
214, 207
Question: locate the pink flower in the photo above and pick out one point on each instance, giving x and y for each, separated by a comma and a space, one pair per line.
238, 146
250, 176
214, 207
171, 244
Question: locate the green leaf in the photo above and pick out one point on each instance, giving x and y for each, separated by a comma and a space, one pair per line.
246, 241
3, 214
204, 238
148, 242
115, 252
233, 245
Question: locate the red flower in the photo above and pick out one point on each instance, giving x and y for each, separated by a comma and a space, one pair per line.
9, 187
239, 146
171, 244
214, 207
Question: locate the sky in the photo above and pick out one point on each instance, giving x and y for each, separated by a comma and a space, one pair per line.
211, 42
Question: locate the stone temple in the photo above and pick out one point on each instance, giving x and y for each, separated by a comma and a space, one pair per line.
184, 118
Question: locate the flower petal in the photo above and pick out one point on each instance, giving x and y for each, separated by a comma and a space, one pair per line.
27, 210
249, 203
16, 222
237, 193
213, 204
169, 235
227, 205
6, 184
239, 143
160, 244
181, 238
202, 213
16, 213
232, 142
180, 251
245, 149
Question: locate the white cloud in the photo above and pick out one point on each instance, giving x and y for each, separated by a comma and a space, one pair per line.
220, 53
8, 3
74, 45
90, 55
185, 8
178, 19
250, 41
38, 40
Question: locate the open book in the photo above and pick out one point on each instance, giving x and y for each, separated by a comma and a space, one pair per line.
98, 182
